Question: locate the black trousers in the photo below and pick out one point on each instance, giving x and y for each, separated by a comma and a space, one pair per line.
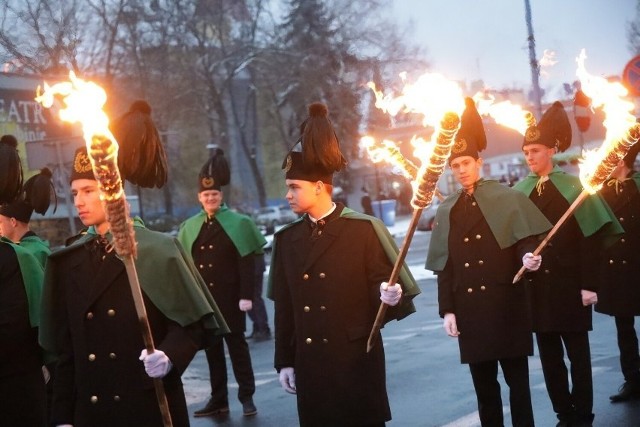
258, 314
628, 345
580, 398
240, 362
485, 382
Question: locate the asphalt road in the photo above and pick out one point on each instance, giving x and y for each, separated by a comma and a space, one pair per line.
427, 385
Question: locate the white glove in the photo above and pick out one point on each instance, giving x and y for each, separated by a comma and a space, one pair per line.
450, 325
46, 374
390, 295
588, 297
288, 380
245, 305
156, 364
531, 262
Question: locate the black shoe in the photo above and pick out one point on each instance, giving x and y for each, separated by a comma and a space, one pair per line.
211, 409
248, 408
261, 335
629, 390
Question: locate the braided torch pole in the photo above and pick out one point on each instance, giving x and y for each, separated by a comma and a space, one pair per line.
103, 155
422, 197
592, 183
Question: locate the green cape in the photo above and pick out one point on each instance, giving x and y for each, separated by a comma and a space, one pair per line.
511, 217
592, 215
409, 286
240, 228
167, 276
32, 255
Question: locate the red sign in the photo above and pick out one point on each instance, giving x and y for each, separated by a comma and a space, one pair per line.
631, 76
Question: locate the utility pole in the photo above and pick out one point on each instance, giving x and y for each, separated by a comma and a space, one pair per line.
533, 61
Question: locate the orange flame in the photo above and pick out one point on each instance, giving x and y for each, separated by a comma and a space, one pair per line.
619, 122
435, 98
504, 113
84, 102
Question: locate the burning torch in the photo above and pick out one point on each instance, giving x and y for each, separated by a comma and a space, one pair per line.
435, 98
622, 133
83, 103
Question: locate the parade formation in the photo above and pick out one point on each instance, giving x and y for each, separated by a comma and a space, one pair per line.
100, 332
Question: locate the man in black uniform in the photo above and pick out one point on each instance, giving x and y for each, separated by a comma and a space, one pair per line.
482, 235
104, 376
22, 259
224, 245
564, 288
326, 280
619, 292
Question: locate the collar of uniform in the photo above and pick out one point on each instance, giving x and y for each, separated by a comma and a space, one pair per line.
329, 212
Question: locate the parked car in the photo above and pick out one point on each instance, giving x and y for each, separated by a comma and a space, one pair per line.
270, 216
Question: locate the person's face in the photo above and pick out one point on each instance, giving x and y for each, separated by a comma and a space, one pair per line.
210, 200
86, 199
301, 195
466, 170
539, 158
6, 227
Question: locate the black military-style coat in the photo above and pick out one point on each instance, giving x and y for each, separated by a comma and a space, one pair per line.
569, 264
229, 277
619, 291
22, 387
326, 296
99, 379
492, 314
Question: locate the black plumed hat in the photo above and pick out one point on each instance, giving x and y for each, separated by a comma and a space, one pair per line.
471, 137
10, 169
318, 155
215, 173
553, 130
141, 156
36, 196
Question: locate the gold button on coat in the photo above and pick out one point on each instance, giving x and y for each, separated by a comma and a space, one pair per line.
478, 237
112, 355
610, 261
116, 398
308, 341
481, 262
322, 275
111, 312
94, 399
482, 288
466, 264
324, 340
306, 309
89, 315
323, 308
470, 290
305, 276
92, 357
466, 239
622, 240
202, 247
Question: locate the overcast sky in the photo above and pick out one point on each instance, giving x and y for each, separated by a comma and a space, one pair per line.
487, 39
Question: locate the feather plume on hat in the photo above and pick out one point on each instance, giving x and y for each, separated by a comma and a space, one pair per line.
36, 196
141, 156
319, 156
10, 169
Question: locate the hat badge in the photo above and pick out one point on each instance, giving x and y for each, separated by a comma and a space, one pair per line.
459, 146
82, 164
287, 166
208, 182
532, 134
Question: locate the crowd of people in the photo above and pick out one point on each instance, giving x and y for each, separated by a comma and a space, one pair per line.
74, 354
